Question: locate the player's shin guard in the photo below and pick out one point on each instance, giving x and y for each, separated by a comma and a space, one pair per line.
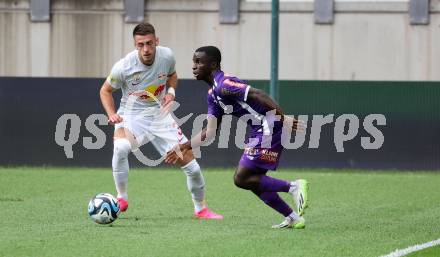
196, 183
121, 150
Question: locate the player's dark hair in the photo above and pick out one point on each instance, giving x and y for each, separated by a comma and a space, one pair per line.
143, 29
212, 52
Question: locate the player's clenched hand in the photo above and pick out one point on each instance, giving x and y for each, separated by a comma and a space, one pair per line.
167, 103
167, 100
298, 125
114, 119
175, 154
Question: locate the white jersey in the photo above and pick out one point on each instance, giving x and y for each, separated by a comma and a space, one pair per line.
143, 87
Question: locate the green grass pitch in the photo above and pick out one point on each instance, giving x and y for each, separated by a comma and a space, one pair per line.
352, 213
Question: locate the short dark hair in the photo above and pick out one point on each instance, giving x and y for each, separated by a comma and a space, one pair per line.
212, 52
143, 29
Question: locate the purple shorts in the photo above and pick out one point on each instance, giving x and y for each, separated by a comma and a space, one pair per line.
261, 155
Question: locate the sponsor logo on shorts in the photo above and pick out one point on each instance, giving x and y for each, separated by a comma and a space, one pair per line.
268, 156
264, 155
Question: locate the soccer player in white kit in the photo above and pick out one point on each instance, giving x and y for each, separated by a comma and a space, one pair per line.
148, 80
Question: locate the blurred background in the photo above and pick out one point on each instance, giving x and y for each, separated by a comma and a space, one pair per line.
336, 57
355, 40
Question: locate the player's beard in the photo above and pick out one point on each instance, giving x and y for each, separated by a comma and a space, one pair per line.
147, 60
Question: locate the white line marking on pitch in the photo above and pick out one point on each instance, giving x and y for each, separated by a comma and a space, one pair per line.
414, 248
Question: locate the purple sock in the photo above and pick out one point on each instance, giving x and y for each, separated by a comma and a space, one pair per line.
269, 184
275, 202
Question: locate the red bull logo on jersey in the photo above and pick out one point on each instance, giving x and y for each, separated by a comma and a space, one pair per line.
150, 93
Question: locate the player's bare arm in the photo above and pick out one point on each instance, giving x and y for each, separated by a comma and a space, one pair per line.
204, 136
170, 95
261, 97
106, 95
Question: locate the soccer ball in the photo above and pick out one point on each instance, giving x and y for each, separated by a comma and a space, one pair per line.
103, 208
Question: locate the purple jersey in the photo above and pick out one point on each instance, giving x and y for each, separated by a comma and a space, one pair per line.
228, 95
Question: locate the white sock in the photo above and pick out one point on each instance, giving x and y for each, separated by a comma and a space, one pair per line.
294, 216
120, 166
195, 183
293, 186
121, 183
198, 206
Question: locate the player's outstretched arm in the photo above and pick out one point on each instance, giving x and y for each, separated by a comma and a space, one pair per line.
108, 103
260, 96
265, 100
205, 136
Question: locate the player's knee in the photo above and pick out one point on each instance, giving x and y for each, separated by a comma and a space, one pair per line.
240, 181
121, 148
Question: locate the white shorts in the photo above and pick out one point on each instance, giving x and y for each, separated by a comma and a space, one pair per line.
163, 132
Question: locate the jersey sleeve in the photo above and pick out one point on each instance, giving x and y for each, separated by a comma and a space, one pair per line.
168, 54
115, 79
172, 64
213, 108
234, 89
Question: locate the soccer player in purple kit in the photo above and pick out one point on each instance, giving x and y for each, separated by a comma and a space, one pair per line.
230, 95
